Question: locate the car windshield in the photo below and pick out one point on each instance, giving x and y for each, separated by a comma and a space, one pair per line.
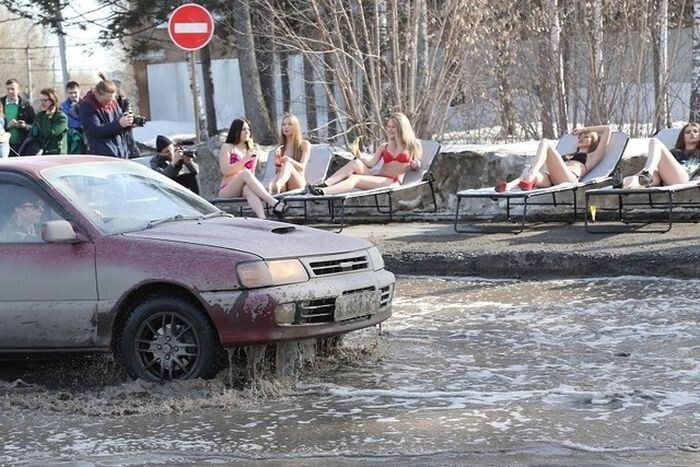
121, 197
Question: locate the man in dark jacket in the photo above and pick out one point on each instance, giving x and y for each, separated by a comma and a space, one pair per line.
175, 164
19, 115
103, 121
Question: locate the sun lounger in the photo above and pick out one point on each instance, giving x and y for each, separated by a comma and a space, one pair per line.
601, 173
316, 170
657, 200
413, 179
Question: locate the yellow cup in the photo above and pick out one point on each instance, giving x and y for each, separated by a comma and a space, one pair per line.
592, 208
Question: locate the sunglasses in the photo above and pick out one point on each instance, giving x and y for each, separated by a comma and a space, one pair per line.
36, 207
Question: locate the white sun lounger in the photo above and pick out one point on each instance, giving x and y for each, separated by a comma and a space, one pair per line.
601, 173
412, 179
657, 199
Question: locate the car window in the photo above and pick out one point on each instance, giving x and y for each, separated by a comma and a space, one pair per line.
22, 213
124, 197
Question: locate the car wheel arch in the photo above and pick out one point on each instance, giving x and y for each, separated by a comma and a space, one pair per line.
147, 292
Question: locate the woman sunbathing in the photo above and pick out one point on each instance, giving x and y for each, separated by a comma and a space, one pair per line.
290, 158
668, 167
401, 152
237, 159
563, 168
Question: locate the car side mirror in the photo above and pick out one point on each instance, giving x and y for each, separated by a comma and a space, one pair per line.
59, 231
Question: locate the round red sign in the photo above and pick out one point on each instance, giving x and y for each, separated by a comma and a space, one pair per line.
191, 26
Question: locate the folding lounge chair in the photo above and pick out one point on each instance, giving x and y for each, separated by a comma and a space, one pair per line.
657, 198
316, 169
601, 173
412, 179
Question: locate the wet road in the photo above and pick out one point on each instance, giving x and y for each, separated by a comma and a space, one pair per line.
469, 372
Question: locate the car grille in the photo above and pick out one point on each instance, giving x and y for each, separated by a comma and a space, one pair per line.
322, 310
339, 265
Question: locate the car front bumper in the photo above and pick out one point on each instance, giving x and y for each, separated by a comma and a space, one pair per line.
317, 308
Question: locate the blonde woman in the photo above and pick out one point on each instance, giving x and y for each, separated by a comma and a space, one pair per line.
237, 160
401, 152
562, 168
290, 158
669, 166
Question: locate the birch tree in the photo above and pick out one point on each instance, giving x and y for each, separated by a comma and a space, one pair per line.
695, 77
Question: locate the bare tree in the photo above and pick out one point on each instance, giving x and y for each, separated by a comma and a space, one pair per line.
695, 78
254, 101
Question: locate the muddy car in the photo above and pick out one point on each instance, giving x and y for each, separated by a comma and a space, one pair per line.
102, 254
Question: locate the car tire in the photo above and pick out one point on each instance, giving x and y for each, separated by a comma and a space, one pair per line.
168, 339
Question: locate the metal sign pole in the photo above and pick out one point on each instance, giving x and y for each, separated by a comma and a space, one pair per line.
195, 96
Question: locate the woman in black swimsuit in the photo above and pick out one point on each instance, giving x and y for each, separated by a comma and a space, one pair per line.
592, 143
669, 166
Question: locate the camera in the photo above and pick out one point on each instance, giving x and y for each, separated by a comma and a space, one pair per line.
139, 120
187, 149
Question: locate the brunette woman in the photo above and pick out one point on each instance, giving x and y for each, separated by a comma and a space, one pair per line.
237, 160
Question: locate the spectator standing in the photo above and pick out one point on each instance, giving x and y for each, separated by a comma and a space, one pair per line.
125, 105
19, 115
103, 121
174, 163
76, 144
4, 136
50, 128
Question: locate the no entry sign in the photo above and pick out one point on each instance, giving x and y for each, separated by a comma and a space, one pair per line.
191, 26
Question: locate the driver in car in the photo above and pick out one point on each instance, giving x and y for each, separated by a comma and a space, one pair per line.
23, 223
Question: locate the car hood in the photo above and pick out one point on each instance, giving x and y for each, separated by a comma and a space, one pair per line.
265, 239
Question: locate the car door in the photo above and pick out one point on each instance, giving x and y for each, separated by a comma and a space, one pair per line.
48, 292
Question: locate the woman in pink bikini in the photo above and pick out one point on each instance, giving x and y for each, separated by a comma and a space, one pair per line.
237, 159
401, 152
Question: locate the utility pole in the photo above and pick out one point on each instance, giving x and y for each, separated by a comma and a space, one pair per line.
29, 74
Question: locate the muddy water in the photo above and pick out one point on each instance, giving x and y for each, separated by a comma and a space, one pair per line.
474, 372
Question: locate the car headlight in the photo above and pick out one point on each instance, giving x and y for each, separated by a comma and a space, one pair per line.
376, 257
255, 274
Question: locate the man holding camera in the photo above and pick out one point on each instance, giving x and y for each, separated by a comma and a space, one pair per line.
19, 115
176, 163
103, 121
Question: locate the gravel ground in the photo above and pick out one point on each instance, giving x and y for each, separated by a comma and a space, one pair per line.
543, 251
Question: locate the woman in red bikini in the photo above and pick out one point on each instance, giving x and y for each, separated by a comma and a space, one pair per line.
237, 159
401, 152
563, 168
290, 158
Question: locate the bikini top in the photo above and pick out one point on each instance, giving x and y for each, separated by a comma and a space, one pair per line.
579, 156
234, 157
401, 158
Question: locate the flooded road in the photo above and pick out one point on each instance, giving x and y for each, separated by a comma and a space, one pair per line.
473, 372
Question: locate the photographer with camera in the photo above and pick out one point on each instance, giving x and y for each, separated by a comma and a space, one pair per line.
176, 162
104, 123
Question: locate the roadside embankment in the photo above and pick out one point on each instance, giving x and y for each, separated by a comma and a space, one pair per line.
542, 252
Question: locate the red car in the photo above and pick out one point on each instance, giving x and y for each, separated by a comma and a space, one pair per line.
104, 254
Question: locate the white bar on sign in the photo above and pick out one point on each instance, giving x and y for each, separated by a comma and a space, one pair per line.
190, 28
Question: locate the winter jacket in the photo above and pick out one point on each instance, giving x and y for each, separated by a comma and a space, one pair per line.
51, 131
101, 127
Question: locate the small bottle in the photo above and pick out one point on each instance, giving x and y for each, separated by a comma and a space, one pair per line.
526, 172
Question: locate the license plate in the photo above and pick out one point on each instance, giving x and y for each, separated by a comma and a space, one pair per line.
357, 304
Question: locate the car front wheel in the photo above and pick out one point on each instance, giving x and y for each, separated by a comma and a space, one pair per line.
167, 339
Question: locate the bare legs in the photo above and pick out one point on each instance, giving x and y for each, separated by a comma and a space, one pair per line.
557, 169
354, 174
661, 165
288, 178
245, 184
